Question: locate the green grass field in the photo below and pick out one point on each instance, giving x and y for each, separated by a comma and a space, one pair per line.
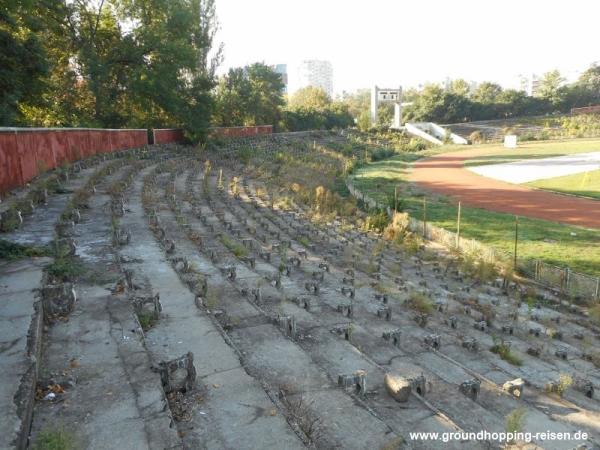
585, 184
497, 154
554, 243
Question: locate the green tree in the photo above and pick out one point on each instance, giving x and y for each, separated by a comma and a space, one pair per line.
232, 98
23, 61
122, 63
460, 87
310, 98
266, 95
310, 108
487, 93
251, 95
438, 105
358, 103
551, 88
590, 79
385, 115
586, 91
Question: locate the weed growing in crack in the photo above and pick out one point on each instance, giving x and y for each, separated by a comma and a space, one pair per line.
147, 320
237, 249
11, 251
56, 438
299, 411
65, 269
420, 303
515, 420
304, 241
502, 349
213, 297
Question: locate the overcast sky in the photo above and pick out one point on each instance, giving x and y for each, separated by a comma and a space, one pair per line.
392, 42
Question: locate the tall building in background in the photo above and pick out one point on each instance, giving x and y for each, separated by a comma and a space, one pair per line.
530, 84
281, 69
316, 73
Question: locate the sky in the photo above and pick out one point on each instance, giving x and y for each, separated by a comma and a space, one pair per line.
397, 42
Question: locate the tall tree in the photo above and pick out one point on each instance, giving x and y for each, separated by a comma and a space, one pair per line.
358, 102
129, 63
23, 61
586, 91
251, 95
552, 88
232, 97
487, 93
266, 95
460, 87
310, 98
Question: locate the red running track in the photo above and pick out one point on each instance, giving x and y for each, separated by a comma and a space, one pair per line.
446, 174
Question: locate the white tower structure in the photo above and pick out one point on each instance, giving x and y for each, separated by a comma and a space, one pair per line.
387, 96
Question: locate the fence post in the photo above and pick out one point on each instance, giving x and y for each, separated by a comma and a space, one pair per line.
537, 270
516, 241
425, 217
458, 228
598, 288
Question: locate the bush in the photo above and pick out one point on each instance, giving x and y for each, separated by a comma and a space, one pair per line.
397, 230
476, 137
416, 145
377, 220
381, 154
529, 136
560, 387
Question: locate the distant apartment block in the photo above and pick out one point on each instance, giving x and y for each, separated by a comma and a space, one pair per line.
316, 73
530, 84
281, 69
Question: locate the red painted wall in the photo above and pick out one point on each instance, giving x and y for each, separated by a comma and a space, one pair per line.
232, 132
586, 110
168, 135
23, 151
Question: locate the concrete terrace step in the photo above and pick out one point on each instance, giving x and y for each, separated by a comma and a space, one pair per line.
113, 399
223, 419
20, 329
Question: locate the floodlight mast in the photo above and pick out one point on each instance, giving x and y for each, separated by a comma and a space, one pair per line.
387, 96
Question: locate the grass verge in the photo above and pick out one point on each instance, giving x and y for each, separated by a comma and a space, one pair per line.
585, 184
498, 154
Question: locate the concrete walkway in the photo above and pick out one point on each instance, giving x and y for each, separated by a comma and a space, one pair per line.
112, 399
18, 367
